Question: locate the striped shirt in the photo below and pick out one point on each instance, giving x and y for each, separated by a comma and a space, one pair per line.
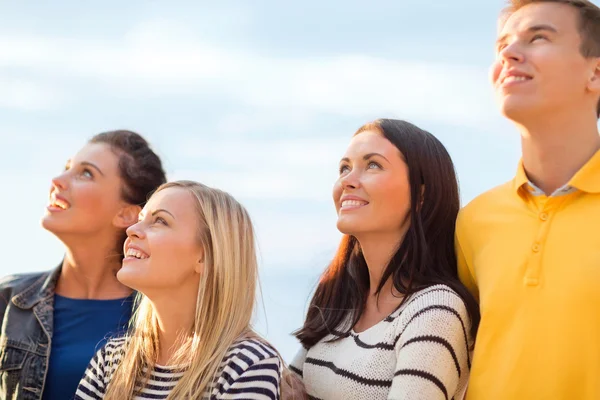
250, 370
420, 351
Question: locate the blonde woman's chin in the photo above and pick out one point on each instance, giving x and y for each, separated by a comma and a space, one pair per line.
132, 274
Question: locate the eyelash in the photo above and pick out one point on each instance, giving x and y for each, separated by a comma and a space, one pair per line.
538, 37
160, 220
344, 167
89, 171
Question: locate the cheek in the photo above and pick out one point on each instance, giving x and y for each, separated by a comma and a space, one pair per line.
172, 255
557, 66
337, 193
96, 201
392, 201
495, 70
88, 197
577, 75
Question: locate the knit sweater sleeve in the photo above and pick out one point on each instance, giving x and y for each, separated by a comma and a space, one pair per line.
297, 365
432, 349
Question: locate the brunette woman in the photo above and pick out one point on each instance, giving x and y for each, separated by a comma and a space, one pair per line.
390, 319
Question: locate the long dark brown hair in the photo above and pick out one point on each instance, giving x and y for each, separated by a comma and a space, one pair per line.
426, 255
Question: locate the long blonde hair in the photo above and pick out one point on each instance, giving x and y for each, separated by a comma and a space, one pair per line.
224, 306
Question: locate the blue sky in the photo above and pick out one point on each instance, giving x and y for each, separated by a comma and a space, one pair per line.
257, 98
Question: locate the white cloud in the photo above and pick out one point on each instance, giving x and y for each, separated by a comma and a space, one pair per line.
161, 56
296, 168
27, 95
253, 120
265, 183
303, 240
278, 152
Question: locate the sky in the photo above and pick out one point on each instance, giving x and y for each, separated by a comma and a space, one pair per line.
257, 98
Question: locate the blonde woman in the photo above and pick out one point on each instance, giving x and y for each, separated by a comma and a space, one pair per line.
192, 257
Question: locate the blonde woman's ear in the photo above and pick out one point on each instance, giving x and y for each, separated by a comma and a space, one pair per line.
199, 267
292, 387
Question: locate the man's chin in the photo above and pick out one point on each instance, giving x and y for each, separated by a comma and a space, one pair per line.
517, 109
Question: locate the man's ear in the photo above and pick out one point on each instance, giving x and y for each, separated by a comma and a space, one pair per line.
594, 80
127, 216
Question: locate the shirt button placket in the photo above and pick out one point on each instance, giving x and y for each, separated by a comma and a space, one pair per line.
534, 268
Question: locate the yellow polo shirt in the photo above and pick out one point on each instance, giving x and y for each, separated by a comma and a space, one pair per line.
533, 262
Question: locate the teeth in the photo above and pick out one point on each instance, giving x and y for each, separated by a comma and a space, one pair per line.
515, 78
136, 253
353, 203
60, 204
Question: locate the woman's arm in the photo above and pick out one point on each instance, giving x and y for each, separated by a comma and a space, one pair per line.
92, 385
297, 365
259, 381
252, 371
432, 350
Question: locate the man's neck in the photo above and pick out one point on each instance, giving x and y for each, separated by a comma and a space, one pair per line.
556, 147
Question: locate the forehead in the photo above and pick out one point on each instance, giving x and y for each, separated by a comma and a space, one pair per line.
370, 142
177, 201
99, 154
562, 17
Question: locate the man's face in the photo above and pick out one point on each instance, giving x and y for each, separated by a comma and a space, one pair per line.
539, 68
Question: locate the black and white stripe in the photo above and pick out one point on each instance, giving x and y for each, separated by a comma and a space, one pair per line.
420, 351
250, 370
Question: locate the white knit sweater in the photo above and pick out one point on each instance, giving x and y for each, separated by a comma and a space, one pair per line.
421, 351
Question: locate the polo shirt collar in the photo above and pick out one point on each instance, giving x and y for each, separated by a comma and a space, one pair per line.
521, 177
587, 179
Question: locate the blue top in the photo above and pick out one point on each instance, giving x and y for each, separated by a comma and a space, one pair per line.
81, 327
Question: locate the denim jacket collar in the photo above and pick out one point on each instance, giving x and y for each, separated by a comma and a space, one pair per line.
40, 290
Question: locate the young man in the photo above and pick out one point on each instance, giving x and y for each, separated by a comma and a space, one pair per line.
530, 249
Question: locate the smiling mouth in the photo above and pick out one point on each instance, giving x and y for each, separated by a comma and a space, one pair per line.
137, 254
514, 79
58, 203
352, 204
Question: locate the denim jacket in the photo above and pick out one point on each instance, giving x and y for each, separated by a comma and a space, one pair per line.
27, 309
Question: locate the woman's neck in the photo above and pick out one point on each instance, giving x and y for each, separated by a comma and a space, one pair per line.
175, 314
89, 272
378, 250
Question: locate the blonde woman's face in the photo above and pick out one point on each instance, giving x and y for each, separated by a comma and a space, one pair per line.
162, 250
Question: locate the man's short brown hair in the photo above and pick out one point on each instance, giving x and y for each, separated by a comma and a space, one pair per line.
589, 23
